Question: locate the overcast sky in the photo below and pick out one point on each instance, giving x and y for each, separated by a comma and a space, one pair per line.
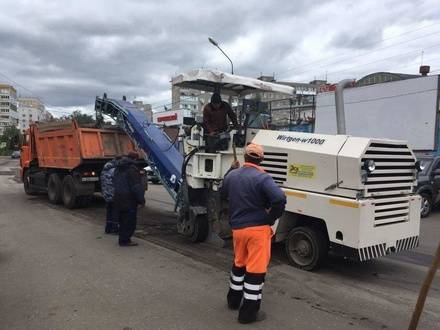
67, 52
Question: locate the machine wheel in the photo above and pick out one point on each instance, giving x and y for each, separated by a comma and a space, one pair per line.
200, 230
306, 248
196, 232
54, 189
426, 207
70, 194
27, 184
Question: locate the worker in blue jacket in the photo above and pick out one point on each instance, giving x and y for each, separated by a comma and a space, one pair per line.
129, 195
108, 191
255, 202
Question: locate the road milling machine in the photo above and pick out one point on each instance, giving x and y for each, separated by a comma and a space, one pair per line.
352, 196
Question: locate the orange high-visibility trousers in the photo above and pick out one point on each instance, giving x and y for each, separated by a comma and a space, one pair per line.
252, 248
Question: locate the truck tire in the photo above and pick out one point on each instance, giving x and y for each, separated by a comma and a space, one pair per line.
54, 189
71, 199
426, 207
27, 184
306, 248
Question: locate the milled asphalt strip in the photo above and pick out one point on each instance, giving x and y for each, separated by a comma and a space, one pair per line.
181, 245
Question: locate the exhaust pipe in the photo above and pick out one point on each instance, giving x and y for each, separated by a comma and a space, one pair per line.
339, 103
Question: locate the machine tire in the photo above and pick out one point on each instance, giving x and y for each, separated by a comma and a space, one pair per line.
71, 199
26, 184
201, 229
426, 206
314, 247
54, 189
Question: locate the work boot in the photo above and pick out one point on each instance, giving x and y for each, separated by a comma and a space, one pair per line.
129, 244
261, 316
233, 307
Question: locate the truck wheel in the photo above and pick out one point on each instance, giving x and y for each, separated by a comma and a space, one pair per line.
426, 206
70, 194
27, 184
306, 248
54, 189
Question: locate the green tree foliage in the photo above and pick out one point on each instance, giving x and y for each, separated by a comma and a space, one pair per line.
10, 140
81, 118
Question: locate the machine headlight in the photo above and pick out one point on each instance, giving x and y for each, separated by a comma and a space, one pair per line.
419, 166
369, 165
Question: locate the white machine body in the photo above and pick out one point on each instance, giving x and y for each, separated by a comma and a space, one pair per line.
367, 214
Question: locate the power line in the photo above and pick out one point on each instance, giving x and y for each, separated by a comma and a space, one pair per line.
344, 55
376, 61
381, 60
383, 97
18, 84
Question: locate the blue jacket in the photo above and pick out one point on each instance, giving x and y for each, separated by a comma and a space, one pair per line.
250, 193
129, 190
107, 180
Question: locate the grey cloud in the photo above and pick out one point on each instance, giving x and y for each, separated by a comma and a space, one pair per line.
70, 52
354, 40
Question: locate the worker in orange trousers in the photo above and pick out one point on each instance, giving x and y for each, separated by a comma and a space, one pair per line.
255, 202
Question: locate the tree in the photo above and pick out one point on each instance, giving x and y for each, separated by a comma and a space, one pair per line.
11, 139
81, 118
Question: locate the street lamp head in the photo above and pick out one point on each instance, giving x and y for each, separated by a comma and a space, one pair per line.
215, 43
212, 41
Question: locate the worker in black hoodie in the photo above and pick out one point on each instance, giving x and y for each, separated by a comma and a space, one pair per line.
129, 195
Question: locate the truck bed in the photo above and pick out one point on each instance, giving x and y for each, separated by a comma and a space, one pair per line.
65, 145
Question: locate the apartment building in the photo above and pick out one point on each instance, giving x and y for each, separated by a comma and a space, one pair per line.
30, 110
8, 107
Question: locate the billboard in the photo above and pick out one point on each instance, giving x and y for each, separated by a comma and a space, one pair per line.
399, 110
168, 118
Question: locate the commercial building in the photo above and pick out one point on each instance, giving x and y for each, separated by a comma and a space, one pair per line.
288, 112
30, 110
145, 107
186, 99
383, 77
8, 107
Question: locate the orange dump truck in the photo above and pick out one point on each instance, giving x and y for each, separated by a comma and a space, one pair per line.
65, 160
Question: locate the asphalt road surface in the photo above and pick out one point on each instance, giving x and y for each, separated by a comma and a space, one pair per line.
58, 270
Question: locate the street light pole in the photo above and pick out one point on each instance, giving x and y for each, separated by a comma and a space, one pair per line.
215, 43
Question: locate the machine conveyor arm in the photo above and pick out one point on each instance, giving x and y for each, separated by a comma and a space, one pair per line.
161, 153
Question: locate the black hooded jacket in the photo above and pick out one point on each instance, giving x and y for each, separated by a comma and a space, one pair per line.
129, 190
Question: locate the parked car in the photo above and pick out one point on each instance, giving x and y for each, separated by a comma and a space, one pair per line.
152, 176
15, 154
428, 184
